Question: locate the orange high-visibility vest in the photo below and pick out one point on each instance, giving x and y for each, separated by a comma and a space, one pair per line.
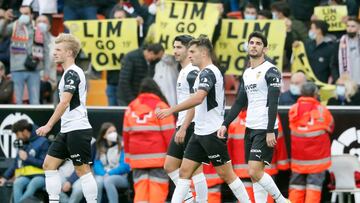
146, 138
310, 125
236, 149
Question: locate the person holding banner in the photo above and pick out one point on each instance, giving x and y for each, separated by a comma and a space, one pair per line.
204, 145
74, 139
184, 124
259, 90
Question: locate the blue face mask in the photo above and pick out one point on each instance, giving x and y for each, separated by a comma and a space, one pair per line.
340, 90
43, 27
250, 17
294, 89
312, 35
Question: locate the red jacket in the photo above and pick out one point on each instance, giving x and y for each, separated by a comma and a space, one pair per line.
310, 125
146, 138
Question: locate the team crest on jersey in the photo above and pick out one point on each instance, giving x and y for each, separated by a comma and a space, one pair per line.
258, 74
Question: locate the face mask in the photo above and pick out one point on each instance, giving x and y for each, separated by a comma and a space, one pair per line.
274, 15
294, 89
250, 17
312, 35
152, 9
112, 137
24, 19
340, 90
351, 34
43, 27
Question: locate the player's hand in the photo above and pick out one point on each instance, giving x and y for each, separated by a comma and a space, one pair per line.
66, 186
180, 136
43, 130
23, 155
163, 113
221, 132
270, 139
2, 181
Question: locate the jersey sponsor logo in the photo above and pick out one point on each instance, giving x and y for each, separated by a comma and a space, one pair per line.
251, 88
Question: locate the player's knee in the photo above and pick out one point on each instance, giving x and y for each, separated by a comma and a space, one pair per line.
254, 174
82, 170
48, 166
169, 167
185, 173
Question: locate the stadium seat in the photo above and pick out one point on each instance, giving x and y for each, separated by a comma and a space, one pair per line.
344, 167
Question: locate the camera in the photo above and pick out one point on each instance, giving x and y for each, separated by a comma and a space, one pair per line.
18, 144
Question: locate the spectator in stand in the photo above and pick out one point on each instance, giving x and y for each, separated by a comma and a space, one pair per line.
349, 50
135, 66
80, 10
295, 29
4, 44
321, 53
311, 125
29, 175
290, 97
264, 15
250, 12
29, 53
347, 92
6, 87
109, 167
146, 140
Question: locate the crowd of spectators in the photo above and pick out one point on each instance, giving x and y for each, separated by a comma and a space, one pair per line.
26, 43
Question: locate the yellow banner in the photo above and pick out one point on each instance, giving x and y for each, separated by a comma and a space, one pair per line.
301, 63
176, 18
105, 41
332, 15
231, 47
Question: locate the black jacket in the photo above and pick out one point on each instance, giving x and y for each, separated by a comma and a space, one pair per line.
322, 59
6, 91
134, 68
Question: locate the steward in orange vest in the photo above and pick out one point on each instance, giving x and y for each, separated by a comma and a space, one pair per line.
146, 140
310, 125
236, 133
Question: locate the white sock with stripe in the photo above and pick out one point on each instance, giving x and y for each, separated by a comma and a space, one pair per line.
53, 185
269, 185
174, 176
201, 188
239, 190
182, 188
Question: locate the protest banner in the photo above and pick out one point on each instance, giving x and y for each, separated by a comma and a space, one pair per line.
332, 15
301, 63
105, 41
176, 18
231, 47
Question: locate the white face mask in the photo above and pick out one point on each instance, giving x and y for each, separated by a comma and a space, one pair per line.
112, 137
43, 27
152, 9
24, 19
294, 89
274, 15
250, 17
340, 90
312, 35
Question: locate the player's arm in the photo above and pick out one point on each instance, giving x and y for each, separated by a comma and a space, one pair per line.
239, 104
207, 81
273, 80
72, 81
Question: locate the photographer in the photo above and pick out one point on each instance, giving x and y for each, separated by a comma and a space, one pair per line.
29, 176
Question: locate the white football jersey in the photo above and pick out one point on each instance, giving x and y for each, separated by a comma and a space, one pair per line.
75, 116
209, 115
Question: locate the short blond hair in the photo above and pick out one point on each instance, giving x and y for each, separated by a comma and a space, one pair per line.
351, 87
72, 43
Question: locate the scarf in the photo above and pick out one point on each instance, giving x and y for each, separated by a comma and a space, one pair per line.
19, 39
38, 46
344, 59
